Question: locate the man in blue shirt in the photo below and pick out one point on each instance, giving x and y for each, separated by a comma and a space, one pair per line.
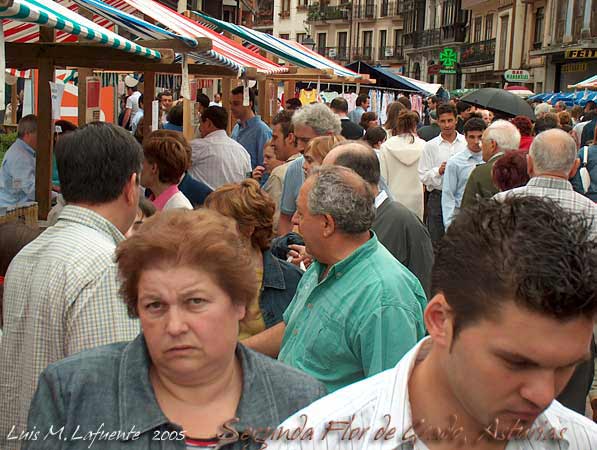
251, 132
459, 168
362, 106
17, 173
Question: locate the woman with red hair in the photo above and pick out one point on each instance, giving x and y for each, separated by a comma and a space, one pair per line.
525, 126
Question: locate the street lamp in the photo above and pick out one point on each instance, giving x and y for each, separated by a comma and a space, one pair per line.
309, 42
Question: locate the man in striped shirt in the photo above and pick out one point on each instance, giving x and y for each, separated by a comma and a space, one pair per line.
512, 316
61, 292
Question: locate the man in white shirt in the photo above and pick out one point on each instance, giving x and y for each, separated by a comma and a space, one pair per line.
217, 159
503, 342
132, 101
432, 166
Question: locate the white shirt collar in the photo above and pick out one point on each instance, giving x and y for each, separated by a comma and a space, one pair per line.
381, 197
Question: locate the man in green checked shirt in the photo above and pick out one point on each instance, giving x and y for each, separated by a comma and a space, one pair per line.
357, 310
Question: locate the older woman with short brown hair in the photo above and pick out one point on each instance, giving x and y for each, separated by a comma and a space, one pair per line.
188, 278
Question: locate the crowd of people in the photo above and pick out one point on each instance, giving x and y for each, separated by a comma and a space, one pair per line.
320, 281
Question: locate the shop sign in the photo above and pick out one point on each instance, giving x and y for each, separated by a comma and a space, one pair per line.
517, 76
581, 53
574, 67
434, 69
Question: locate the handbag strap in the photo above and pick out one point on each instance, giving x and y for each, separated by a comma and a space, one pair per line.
585, 158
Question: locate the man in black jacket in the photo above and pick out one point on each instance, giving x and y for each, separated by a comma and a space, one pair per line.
350, 130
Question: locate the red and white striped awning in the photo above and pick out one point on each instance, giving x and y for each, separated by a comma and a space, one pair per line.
180, 24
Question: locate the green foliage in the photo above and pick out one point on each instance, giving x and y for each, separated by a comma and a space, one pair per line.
6, 140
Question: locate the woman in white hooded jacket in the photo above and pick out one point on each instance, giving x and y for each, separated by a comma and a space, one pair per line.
399, 161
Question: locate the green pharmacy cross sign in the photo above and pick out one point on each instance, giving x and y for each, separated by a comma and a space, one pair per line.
448, 57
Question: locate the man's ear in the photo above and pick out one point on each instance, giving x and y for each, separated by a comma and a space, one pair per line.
290, 139
574, 169
329, 225
530, 165
439, 320
130, 189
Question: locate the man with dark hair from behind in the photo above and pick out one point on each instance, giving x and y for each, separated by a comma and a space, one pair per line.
548, 122
505, 335
350, 129
292, 104
63, 288
250, 131
397, 227
218, 159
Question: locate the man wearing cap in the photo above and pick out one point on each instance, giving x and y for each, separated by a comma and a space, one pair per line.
132, 101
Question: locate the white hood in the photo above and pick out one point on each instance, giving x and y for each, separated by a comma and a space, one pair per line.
403, 149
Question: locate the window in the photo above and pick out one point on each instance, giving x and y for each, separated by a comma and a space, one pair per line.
300, 37
503, 40
342, 45
284, 36
385, 7
488, 27
397, 41
367, 44
383, 34
285, 5
478, 24
539, 23
321, 43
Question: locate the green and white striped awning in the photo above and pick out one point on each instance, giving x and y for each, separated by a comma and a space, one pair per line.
52, 14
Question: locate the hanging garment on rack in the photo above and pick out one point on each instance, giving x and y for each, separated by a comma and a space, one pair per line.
328, 96
417, 104
308, 96
351, 98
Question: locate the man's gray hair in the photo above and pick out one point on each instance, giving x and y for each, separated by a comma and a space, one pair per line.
542, 108
341, 193
553, 151
27, 125
562, 104
504, 134
319, 117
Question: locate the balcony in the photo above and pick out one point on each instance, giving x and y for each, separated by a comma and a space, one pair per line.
453, 33
427, 38
478, 53
340, 54
366, 54
365, 12
321, 14
390, 54
264, 19
407, 6
389, 9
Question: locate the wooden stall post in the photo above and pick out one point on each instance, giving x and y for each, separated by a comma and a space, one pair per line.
187, 125
43, 159
289, 87
83, 73
14, 101
148, 96
226, 88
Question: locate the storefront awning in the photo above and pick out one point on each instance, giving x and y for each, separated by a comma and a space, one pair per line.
386, 77
290, 51
52, 14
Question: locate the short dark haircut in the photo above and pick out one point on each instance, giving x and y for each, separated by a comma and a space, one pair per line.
436, 99
217, 115
474, 124
165, 93
175, 115
446, 108
362, 99
293, 103
339, 104
65, 126
546, 122
241, 90
505, 243
462, 106
590, 115
27, 124
361, 159
406, 102
284, 119
203, 100
168, 153
374, 135
591, 104
95, 162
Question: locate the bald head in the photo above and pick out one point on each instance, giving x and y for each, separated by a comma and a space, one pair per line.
553, 152
357, 156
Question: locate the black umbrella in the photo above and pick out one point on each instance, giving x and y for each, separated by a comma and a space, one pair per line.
500, 101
